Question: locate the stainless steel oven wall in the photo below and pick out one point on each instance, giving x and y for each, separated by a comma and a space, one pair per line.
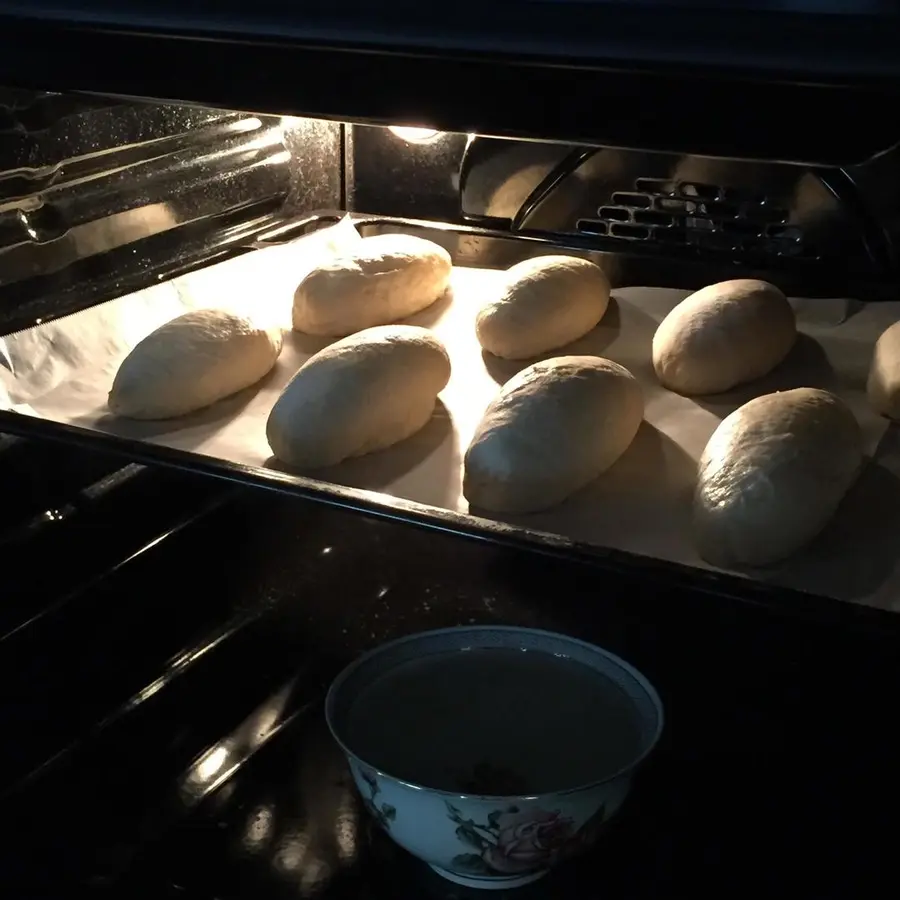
98, 196
670, 219
404, 172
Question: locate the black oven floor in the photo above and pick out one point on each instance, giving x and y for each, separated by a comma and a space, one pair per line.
288, 825
164, 735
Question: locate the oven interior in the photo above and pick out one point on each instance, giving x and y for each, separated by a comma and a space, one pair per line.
166, 637
166, 643
100, 196
109, 199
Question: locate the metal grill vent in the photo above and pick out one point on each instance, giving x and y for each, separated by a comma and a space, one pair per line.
704, 217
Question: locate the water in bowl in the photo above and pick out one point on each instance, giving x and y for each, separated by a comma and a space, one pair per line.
494, 721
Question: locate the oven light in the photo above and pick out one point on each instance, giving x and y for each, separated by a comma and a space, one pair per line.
414, 135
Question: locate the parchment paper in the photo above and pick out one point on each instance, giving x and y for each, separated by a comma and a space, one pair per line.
62, 371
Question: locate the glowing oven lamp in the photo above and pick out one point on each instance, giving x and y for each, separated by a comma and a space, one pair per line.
414, 135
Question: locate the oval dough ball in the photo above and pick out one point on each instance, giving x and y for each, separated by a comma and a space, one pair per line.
545, 303
551, 430
191, 362
883, 385
722, 336
773, 474
389, 277
364, 393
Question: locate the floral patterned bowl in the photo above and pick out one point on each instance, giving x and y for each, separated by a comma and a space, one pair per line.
493, 753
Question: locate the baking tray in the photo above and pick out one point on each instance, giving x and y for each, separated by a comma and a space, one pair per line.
635, 516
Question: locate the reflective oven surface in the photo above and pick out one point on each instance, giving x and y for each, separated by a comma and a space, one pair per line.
162, 700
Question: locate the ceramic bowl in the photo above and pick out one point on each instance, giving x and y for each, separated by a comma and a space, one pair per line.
493, 753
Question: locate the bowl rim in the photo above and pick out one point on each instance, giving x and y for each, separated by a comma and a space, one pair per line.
642, 681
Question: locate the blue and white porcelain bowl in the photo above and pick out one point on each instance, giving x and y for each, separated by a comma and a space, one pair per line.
493, 753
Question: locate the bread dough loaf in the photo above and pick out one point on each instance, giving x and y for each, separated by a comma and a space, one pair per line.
363, 393
883, 385
545, 303
772, 475
722, 336
551, 430
389, 277
190, 362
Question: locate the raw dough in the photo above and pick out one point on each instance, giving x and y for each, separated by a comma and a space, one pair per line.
389, 277
722, 336
883, 386
363, 393
551, 430
773, 474
190, 362
545, 303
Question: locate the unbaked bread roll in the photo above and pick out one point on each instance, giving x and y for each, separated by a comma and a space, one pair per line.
389, 277
773, 474
883, 385
722, 336
544, 303
364, 393
191, 362
551, 430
